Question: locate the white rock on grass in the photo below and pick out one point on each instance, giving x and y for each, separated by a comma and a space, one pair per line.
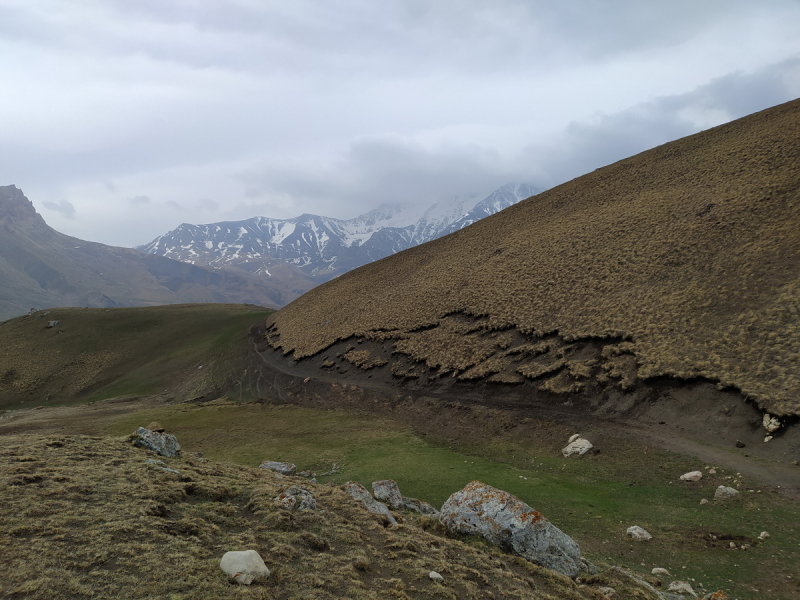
163, 444
579, 446
724, 493
704, 501
608, 592
660, 571
573, 437
763, 535
638, 534
436, 576
681, 587
284, 468
692, 476
358, 492
509, 523
244, 566
387, 490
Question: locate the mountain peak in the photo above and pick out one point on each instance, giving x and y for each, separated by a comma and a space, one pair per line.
15, 207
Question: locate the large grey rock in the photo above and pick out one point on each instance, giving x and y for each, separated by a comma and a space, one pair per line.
387, 490
724, 493
358, 492
681, 587
284, 468
244, 566
506, 521
296, 498
161, 443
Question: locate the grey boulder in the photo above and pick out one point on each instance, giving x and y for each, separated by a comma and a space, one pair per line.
387, 490
358, 492
163, 444
506, 521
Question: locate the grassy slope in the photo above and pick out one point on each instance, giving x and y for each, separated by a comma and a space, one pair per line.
88, 517
93, 354
690, 250
594, 498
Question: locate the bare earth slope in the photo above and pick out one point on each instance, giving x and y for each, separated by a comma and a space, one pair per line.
680, 263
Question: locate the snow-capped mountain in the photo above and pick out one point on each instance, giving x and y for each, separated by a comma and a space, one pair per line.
323, 247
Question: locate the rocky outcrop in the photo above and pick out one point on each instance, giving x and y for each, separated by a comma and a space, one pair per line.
284, 468
244, 567
506, 521
163, 444
388, 491
358, 492
296, 499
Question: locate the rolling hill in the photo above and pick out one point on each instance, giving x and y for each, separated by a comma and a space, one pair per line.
677, 265
41, 268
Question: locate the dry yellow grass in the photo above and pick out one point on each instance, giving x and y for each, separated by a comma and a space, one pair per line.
89, 517
689, 252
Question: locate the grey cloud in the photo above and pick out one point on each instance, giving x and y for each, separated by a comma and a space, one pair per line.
206, 204
590, 144
378, 170
64, 207
139, 200
175, 205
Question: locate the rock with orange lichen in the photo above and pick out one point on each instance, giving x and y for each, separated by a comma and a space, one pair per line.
508, 522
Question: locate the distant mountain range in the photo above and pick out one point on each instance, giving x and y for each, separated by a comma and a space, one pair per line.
320, 248
42, 268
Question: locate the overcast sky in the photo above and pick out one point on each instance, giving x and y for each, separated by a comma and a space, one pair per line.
122, 119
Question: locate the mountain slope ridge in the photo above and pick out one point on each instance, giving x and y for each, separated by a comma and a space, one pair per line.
685, 259
42, 268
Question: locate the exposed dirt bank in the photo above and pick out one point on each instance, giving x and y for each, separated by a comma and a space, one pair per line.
692, 417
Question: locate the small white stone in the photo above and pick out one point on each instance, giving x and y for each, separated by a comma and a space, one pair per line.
244, 567
771, 424
638, 534
768, 438
436, 577
692, 476
704, 501
608, 592
763, 535
659, 571
712, 471
573, 437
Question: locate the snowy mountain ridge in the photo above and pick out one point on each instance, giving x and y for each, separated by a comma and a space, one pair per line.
323, 247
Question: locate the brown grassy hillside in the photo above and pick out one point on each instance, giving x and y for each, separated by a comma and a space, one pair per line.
90, 517
682, 261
